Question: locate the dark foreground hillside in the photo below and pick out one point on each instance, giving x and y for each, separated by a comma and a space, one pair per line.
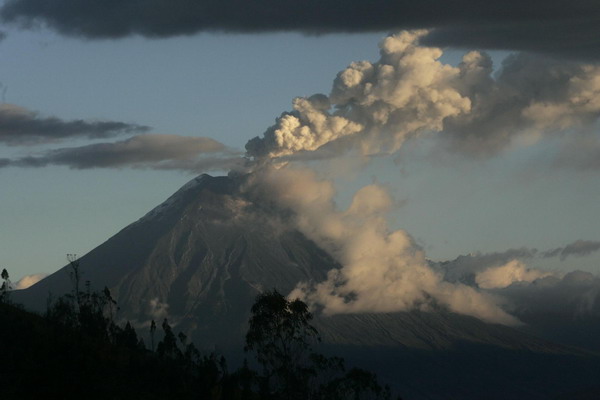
42, 359
76, 351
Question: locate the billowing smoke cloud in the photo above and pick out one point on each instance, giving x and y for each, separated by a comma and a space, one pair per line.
374, 107
560, 27
19, 126
578, 248
147, 151
503, 276
383, 270
29, 280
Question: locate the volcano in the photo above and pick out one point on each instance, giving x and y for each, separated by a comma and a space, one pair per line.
201, 257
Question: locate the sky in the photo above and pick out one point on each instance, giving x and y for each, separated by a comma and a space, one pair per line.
150, 98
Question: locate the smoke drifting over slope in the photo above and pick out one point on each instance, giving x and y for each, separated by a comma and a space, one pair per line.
561, 27
383, 270
373, 109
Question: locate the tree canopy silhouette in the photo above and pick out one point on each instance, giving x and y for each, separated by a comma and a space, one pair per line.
282, 338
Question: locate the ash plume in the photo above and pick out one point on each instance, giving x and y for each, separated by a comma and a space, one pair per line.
373, 108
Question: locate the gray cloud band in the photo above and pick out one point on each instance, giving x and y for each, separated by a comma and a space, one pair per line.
579, 248
559, 27
147, 151
19, 127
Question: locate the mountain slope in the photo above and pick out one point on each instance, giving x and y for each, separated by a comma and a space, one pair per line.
199, 258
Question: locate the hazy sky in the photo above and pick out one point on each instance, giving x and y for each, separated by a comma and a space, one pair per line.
117, 83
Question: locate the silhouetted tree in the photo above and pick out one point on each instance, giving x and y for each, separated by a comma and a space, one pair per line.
281, 337
88, 311
6, 287
168, 346
126, 337
152, 331
75, 275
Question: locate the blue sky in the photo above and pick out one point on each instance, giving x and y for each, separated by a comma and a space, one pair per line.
231, 87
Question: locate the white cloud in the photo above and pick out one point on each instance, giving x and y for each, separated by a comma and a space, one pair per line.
507, 274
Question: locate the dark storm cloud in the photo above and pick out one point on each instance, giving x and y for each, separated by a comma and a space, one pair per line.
19, 126
572, 36
579, 248
147, 151
564, 27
